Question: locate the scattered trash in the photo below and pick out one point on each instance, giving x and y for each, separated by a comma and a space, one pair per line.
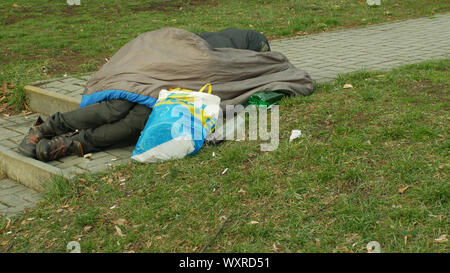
441, 239
373, 2
254, 222
295, 134
87, 155
224, 171
74, 2
74, 247
373, 247
265, 98
242, 191
113, 207
348, 86
213, 154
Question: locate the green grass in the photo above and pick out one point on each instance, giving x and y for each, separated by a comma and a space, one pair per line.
46, 38
333, 190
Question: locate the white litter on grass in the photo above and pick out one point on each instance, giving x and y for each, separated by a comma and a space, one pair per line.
224, 171
373, 247
113, 207
373, 2
74, 2
295, 134
213, 154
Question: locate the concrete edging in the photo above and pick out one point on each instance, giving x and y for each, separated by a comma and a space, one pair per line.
47, 103
27, 171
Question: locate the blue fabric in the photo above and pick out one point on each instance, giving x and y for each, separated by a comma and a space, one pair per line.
114, 94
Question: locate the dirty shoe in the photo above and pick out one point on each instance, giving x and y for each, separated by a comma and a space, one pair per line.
57, 147
39, 131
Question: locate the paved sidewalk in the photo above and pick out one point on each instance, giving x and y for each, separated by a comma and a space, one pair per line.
323, 56
15, 197
377, 47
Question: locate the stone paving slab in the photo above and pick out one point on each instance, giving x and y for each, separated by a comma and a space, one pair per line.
376, 47
15, 197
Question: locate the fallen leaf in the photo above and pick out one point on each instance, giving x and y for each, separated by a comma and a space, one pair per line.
82, 180
402, 190
406, 239
341, 249
275, 248
148, 244
352, 238
4, 243
87, 228
119, 231
8, 225
120, 222
441, 239
347, 86
15, 5
440, 217
242, 191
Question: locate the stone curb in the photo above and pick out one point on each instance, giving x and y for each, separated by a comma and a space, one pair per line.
27, 171
47, 103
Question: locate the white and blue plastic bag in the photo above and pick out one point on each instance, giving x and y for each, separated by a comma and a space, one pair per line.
178, 125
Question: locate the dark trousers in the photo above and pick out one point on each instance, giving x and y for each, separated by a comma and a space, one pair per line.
104, 124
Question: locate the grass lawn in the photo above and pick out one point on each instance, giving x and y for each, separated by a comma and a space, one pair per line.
46, 38
373, 165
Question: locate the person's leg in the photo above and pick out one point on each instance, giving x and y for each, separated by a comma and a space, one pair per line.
60, 123
123, 132
91, 116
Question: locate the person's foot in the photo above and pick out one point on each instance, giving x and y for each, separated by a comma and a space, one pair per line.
39, 131
57, 147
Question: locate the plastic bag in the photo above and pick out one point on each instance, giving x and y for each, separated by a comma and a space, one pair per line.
178, 125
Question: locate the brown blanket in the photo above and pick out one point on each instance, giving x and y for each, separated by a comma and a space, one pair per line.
170, 57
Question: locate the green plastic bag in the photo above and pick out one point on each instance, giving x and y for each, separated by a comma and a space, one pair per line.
265, 98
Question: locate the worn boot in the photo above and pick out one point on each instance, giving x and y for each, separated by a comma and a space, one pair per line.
39, 131
57, 147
